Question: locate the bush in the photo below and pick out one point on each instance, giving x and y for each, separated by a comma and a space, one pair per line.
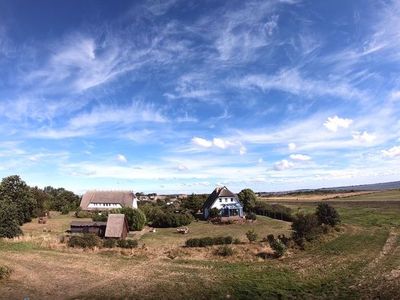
136, 218
168, 219
128, 244
277, 245
65, 210
305, 226
5, 272
236, 241
224, 251
79, 213
100, 217
251, 235
274, 211
109, 243
9, 226
209, 241
87, 240
214, 213
251, 216
327, 214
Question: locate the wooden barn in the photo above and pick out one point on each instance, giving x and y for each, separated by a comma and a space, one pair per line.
98, 228
117, 226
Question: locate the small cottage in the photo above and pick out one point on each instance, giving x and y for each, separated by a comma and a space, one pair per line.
117, 226
107, 200
97, 228
225, 201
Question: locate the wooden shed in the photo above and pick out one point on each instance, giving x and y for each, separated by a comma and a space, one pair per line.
98, 228
117, 226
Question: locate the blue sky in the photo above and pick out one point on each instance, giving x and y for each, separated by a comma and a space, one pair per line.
181, 96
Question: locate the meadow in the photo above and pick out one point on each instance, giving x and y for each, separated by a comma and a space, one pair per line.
360, 260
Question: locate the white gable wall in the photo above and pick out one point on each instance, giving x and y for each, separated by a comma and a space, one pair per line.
220, 201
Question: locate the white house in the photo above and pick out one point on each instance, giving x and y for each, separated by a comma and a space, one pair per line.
106, 200
225, 201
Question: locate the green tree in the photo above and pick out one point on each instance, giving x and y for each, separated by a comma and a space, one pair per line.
16, 191
327, 214
248, 199
136, 218
305, 226
194, 202
9, 227
43, 201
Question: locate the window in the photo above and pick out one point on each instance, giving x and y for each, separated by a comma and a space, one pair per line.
226, 200
220, 200
231, 199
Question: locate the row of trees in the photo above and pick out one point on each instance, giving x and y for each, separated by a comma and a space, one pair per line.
19, 203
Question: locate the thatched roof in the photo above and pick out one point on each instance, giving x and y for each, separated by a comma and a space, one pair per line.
115, 225
218, 192
124, 198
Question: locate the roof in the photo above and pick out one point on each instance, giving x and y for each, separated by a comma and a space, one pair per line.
87, 223
115, 225
124, 198
218, 192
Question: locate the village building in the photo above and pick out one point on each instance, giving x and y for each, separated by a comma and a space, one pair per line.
97, 228
117, 226
225, 201
107, 200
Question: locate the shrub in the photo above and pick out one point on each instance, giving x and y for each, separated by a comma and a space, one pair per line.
109, 243
251, 235
236, 241
100, 216
274, 211
214, 213
327, 214
305, 226
5, 272
209, 241
87, 240
136, 218
251, 216
168, 219
129, 244
65, 210
277, 245
224, 251
79, 213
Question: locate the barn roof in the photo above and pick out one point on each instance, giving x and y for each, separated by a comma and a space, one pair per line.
218, 192
115, 225
87, 223
124, 198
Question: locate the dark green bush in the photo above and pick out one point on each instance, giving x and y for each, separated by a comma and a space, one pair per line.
168, 219
224, 251
277, 245
87, 240
209, 241
100, 216
109, 243
136, 218
5, 272
214, 213
275, 211
83, 214
129, 244
251, 235
327, 214
9, 226
305, 226
251, 216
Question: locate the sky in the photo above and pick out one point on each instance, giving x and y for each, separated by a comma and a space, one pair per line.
179, 96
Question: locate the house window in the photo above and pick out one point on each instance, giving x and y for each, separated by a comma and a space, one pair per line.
226, 200
231, 199
220, 200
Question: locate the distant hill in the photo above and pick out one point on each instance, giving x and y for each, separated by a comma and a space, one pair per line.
355, 188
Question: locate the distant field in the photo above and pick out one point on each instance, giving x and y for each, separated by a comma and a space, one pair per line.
393, 195
362, 260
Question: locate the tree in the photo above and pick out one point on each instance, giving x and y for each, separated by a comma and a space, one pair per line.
251, 235
214, 213
13, 190
136, 218
9, 227
43, 201
327, 214
194, 202
305, 226
248, 199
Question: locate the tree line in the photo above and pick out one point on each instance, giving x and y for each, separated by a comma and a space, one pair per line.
19, 203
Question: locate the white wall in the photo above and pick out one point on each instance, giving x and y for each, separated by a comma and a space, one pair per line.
225, 200
103, 205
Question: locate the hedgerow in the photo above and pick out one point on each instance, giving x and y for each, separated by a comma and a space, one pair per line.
209, 241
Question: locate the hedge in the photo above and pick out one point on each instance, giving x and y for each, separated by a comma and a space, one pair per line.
274, 211
209, 241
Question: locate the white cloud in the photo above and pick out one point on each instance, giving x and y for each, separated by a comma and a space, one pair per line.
122, 158
242, 150
395, 95
364, 137
392, 152
272, 24
300, 157
292, 146
283, 165
334, 123
202, 142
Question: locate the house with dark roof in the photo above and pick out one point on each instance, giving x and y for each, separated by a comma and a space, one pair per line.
117, 226
225, 201
106, 200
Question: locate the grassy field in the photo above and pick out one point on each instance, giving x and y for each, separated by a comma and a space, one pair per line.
362, 260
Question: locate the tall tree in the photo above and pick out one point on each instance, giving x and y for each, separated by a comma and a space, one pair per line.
9, 227
15, 191
248, 199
